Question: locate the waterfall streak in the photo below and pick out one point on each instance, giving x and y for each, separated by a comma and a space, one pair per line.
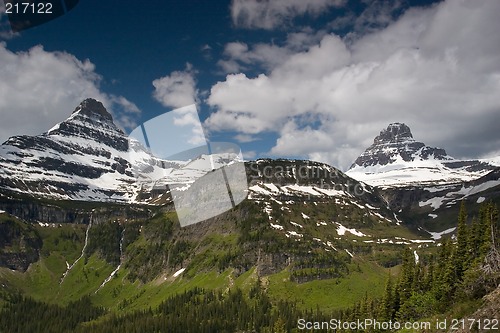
117, 268
69, 267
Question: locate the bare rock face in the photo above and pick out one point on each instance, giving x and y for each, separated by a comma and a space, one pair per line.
394, 142
20, 244
94, 109
396, 132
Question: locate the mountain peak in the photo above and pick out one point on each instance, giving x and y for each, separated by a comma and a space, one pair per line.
394, 133
91, 121
396, 143
92, 108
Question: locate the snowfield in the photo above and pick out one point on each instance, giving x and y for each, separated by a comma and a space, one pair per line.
418, 172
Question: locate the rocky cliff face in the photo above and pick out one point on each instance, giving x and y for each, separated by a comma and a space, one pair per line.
36, 211
396, 143
20, 243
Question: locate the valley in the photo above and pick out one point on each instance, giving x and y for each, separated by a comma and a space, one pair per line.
307, 240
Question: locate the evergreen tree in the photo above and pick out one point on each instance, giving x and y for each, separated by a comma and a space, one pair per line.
429, 275
461, 257
386, 311
488, 216
473, 241
407, 275
444, 283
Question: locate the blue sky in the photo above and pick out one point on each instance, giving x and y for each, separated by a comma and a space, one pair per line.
311, 79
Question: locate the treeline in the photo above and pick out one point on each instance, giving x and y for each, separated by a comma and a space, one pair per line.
319, 266
195, 311
22, 314
463, 269
201, 311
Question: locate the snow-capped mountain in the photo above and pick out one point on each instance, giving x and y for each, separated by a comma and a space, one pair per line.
396, 142
87, 157
396, 159
81, 158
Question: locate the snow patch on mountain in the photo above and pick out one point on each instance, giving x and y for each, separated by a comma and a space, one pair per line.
341, 230
179, 272
396, 159
87, 157
296, 224
439, 235
453, 195
276, 226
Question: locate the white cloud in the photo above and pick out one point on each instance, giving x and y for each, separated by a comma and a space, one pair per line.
376, 15
39, 89
269, 14
239, 56
177, 89
249, 155
436, 69
244, 138
296, 141
126, 114
188, 117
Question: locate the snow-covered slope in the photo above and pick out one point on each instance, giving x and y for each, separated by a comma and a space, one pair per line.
478, 191
86, 157
81, 158
396, 159
295, 182
417, 172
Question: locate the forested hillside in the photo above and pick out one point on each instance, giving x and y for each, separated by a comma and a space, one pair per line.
445, 281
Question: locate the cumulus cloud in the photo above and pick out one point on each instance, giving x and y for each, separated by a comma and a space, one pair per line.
238, 56
377, 14
436, 69
177, 89
269, 14
39, 89
188, 118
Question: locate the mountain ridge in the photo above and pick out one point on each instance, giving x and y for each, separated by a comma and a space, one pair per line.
306, 233
396, 159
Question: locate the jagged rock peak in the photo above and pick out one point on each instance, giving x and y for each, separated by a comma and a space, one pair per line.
394, 142
92, 121
394, 133
91, 108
